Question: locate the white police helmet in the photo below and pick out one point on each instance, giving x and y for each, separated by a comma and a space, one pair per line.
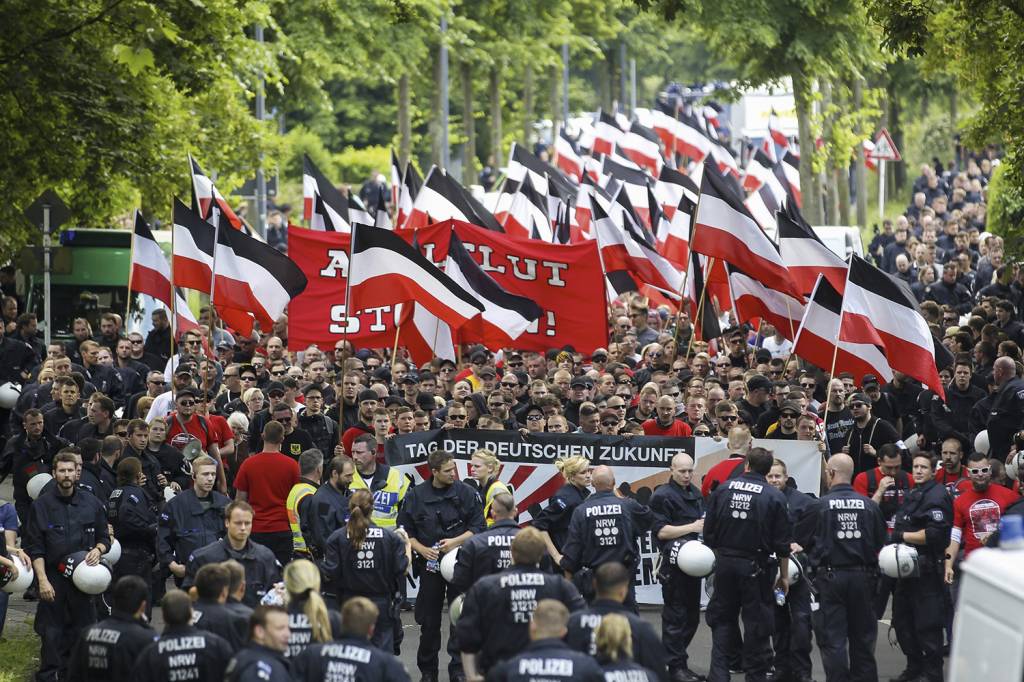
36, 484
899, 561
981, 443
88, 579
9, 394
695, 559
455, 610
1015, 465
448, 564
21, 582
113, 554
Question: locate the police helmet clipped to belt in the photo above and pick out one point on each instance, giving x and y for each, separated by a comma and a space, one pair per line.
448, 562
113, 555
455, 610
693, 558
88, 579
9, 394
899, 561
11, 584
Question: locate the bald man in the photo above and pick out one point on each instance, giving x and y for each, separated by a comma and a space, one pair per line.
1007, 415
851, 532
604, 528
664, 422
678, 509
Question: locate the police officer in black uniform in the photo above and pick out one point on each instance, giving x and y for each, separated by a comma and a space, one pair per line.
27, 454
61, 522
918, 605
261, 568
850, 532
263, 660
16, 361
183, 651
352, 651
792, 638
547, 657
1007, 415
494, 624
108, 649
746, 522
192, 519
611, 583
553, 520
488, 552
604, 528
438, 515
210, 613
328, 508
678, 510
134, 522
362, 559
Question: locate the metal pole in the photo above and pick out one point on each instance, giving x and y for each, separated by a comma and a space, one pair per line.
261, 180
881, 189
445, 152
632, 85
622, 76
46, 272
565, 83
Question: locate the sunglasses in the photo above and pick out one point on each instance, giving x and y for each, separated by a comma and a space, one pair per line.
248, 377
702, 432
279, 374
275, 394
511, 364
600, 358
609, 423
463, 416
809, 385
193, 343
855, 405
508, 385
728, 418
676, 394
283, 420
788, 416
136, 342
186, 403
625, 383
979, 471
616, 407
534, 417
157, 383
121, 434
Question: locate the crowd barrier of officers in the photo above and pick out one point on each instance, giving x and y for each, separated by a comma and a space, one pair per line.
551, 601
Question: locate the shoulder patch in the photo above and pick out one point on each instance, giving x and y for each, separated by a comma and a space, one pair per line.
560, 502
937, 515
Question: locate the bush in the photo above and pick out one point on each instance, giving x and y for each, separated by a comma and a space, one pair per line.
355, 165
1006, 203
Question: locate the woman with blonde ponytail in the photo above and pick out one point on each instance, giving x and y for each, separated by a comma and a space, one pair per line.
483, 468
553, 519
363, 559
309, 618
614, 640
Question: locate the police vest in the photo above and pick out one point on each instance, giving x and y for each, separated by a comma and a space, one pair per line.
494, 489
298, 493
385, 500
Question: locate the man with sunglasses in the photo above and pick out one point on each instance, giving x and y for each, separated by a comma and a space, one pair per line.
976, 512
869, 433
189, 351
275, 397
726, 417
296, 441
785, 428
155, 385
231, 387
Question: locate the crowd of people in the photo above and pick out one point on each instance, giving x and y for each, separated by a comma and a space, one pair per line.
245, 486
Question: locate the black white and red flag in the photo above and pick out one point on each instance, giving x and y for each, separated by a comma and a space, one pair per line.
806, 255
314, 182
706, 325
673, 235
818, 337
328, 217
205, 195
775, 131
396, 177
642, 146
634, 182
758, 170
151, 275
880, 309
671, 187
607, 133
624, 247
385, 269
790, 169
442, 198
194, 241
527, 215
754, 299
358, 212
691, 140
725, 230
411, 183
567, 156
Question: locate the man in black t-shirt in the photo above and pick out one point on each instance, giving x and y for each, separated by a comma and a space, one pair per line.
868, 434
296, 441
837, 416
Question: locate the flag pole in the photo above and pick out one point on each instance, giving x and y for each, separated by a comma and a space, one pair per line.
700, 309
174, 299
394, 350
131, 269
835, 350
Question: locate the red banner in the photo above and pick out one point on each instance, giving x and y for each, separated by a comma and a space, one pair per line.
565, 280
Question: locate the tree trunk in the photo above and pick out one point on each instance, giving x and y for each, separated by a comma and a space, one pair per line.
469, 150
953, 115
435, 114
496, 132
556, 94
897, 179
831, 189
809, 186
404, 121
527, 104
859, 171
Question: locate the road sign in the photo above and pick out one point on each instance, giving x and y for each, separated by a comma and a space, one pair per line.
59, 212
885, 148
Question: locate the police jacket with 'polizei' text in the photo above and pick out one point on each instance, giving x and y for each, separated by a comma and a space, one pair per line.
648, 650
549, 660
484, 554
261, 568
108, 649
133, 519
851, 530
59, 526
183, 653
496, 614
186, 525
747, 516
354, 658
373, 569
604, 528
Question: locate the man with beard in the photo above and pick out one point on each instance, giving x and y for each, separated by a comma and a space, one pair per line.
345, 411
867, 435
368, 402
321, 429
838, 417
26, 455
133, 373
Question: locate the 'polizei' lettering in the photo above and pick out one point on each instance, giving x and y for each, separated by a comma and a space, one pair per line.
846, 504
746, 486
562, 667
605, 510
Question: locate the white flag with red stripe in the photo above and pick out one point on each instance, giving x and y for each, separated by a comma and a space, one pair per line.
151, 275
806, 255
607, 133
755, 299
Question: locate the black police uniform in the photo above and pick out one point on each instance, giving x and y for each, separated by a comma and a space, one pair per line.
746, 522
134, 523
107, 650
152, 468
188, 523
375, 570
648, 650
496, 613
300, 635
851, 531
430, 515
1006, 417
258, 663
60, 526
25, 458
626, 670
218, 619
327, 512
354, 656
792, 638
676, 505
547, 660
555, 517
918, 606
604, 528
183, 653
484, 554
16, 359
261, 568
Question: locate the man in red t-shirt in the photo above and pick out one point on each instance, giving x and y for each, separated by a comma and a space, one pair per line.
264, 481
976, 511
664, 422
739, 444
952, 471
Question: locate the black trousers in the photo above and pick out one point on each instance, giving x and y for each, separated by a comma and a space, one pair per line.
918, 615
58, 624
434, 591
743, 589
846, 626
680, 616
280, 543
792, 639
139, 562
